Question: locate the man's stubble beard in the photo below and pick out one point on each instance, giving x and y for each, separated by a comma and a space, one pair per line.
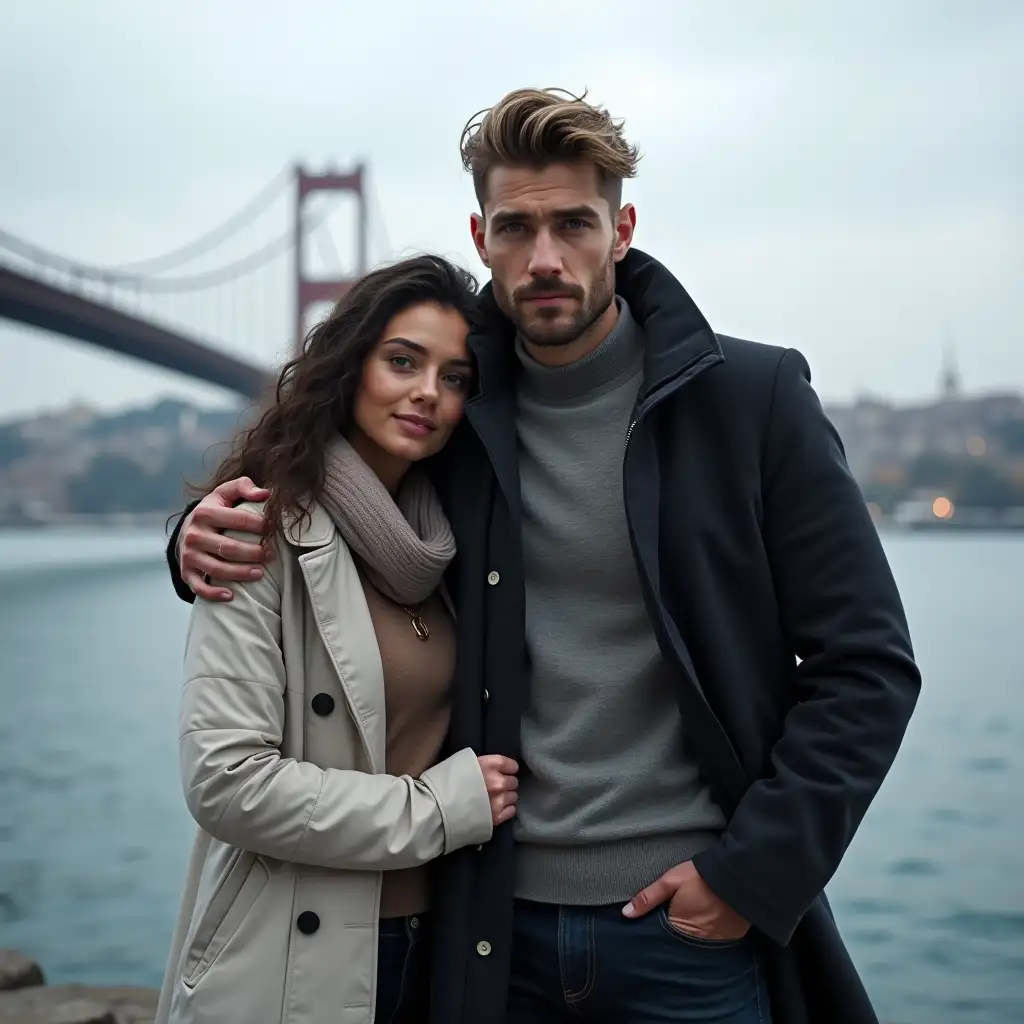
564, 333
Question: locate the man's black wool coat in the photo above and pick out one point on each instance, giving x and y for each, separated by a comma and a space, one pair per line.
769, 592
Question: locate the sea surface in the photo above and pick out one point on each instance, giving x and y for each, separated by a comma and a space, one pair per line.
94, 833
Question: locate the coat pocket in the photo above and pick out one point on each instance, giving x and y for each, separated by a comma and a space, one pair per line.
233, 899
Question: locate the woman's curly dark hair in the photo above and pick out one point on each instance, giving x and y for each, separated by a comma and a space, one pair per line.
315, 393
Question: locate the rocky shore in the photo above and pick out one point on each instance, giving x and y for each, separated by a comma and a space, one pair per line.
25, 998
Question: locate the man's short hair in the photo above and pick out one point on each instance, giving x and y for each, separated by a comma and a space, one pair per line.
539, 127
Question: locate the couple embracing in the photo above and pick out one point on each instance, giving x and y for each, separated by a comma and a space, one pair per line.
546, 658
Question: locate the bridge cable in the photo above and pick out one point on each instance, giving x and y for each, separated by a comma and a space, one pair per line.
123, 274
156, 285
215, 236
378, 217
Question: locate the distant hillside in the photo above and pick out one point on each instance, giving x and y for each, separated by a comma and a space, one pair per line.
82, 462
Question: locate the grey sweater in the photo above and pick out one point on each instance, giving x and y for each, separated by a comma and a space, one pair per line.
609, 799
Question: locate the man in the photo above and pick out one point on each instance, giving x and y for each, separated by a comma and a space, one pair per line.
674, 611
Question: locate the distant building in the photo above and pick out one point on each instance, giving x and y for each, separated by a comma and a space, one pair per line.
883, 441
950, 387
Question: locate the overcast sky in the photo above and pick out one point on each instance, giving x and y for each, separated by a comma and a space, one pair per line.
844, 178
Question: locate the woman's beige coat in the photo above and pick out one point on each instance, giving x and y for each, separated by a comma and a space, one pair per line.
278, 922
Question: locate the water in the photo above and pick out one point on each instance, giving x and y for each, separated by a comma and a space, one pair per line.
94, 833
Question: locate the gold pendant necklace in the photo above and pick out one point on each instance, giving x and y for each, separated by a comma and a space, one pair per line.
418, 625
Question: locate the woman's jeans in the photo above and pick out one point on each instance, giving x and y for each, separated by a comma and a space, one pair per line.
403, 966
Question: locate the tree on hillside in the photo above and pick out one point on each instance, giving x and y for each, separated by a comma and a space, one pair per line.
12, 446
1011, 433
113, 483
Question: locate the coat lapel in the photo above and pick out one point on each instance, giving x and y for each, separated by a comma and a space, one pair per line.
333, 585
492, 410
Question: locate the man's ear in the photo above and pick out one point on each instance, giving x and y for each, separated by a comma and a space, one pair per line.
625, 226
478, 230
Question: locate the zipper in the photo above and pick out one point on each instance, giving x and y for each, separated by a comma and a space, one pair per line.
665, 391
629, 434
670, 387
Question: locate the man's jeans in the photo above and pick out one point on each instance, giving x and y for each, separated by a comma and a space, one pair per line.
592, 964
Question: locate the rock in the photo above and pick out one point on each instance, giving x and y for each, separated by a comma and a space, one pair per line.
79, 1004
17, 971
80, 1011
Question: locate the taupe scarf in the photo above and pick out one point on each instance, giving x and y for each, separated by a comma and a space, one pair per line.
404, 547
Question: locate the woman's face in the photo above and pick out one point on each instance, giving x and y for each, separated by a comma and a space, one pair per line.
415, 382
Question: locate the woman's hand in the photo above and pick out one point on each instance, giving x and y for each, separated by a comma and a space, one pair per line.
500, 777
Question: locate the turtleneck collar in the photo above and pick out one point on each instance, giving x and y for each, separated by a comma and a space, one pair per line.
619, 357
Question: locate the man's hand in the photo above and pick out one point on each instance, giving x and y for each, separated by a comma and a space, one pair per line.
206, 556
693, 908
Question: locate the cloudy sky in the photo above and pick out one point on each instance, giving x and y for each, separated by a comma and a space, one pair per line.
844, 178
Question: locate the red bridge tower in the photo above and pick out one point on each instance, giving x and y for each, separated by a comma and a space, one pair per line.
309, 292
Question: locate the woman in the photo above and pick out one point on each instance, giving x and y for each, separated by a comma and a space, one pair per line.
315, 703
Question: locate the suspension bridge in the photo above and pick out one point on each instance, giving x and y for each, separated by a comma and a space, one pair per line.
195, 310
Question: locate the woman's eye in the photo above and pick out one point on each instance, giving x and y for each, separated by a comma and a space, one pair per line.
402, 362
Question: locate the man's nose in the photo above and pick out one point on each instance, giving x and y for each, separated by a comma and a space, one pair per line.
545, 259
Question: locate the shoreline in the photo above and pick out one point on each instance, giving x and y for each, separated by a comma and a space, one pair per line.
112, 521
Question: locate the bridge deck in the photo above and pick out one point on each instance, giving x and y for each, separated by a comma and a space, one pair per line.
29, 301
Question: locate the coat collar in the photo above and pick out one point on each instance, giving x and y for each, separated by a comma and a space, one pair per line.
677, 335
316, 531
320, 530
